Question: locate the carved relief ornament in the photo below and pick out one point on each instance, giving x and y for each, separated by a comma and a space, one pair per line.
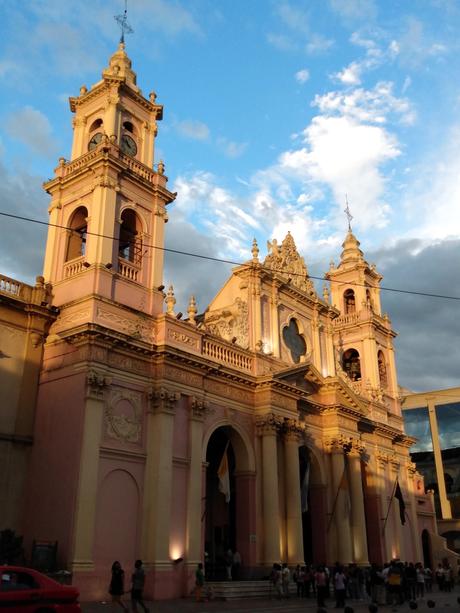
124, 425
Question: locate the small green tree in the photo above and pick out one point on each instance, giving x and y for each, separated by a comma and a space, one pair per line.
11, 549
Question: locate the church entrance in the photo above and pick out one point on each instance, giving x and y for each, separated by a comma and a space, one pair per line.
313, 503
229, 516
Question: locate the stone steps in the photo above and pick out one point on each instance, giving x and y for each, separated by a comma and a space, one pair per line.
234, 590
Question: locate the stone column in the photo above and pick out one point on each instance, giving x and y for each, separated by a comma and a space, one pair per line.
85, 507
111, 119
330, 355
256, 314
358, 516
416, 538
197, 412
158, 477
341, 497
383, 487
294, 534
268, 427
446, 511
398, 536
275, 324
316, 343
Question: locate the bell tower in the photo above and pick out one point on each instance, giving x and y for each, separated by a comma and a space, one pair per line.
108, 203
362, 335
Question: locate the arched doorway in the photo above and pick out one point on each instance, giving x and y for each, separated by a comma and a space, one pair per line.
229, 516
313, 501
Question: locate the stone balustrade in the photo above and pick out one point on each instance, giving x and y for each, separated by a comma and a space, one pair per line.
128, 270
11, 287
230, 356
73, 267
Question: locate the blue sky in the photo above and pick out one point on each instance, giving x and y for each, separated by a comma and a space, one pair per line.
274, 110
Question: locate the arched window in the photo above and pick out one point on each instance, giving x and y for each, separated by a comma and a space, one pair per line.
76, 246
382, 369
130, 245
95, 125
349, 301
351, 364
128, 126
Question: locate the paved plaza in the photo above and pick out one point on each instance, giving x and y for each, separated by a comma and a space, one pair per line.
444, 602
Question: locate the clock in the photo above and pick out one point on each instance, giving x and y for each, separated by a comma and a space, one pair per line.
128, 145
95, 140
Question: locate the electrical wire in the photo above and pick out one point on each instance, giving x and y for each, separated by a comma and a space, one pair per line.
225, 261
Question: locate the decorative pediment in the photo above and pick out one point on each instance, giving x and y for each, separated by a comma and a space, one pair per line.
287, 262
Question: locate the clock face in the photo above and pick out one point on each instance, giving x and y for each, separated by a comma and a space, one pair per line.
128, 145
95, 140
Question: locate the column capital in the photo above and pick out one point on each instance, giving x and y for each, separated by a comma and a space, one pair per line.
292, 430
162, 400
382, 460
96, 384
268, 424
340, 444
198, 408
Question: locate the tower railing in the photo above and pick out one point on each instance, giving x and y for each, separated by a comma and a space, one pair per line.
128, 269
73, 267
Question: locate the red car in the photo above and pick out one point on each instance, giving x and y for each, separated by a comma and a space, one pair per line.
23, 590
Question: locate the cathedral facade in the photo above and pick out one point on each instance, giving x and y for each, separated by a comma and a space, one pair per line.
135, 407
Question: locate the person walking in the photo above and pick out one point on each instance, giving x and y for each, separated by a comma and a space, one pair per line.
286, 578
117, 585
199, 583
339, 587
137, 587
321, 585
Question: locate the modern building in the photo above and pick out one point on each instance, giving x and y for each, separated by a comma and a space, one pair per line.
137, 408
434, 419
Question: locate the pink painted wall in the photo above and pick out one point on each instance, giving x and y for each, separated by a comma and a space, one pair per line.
55, 458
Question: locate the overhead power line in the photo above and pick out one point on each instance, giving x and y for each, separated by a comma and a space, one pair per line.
225, 261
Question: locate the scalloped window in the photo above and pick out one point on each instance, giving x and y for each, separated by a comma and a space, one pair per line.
294, 341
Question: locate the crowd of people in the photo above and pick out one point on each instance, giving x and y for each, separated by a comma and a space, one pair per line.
393, 583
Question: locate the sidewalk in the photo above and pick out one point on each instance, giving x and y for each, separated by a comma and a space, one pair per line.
293, 605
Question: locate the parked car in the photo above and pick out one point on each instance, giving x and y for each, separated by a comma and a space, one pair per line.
23, 590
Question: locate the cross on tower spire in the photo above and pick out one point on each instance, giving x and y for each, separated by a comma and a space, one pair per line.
122, 21
347, 213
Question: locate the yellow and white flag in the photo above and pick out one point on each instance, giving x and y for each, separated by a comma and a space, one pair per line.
224, 476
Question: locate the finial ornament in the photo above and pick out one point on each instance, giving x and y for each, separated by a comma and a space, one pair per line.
122, 21
255, 251
347, 213
170, 300
192, 310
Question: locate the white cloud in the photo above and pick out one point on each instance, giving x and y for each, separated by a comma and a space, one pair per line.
350, 75
302, 76
231, 148
281, 42
32, 128
373, 105
355, 9
432, 201
191, 128
318, 44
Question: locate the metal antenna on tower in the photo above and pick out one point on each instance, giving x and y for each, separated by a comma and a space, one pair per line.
347, 213
122, 21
